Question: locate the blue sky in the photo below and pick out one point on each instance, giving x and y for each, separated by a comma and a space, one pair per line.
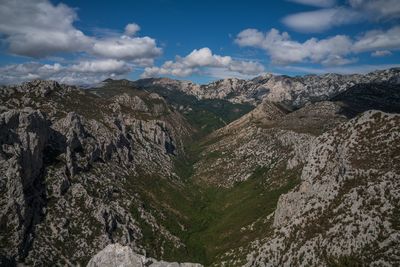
87, 41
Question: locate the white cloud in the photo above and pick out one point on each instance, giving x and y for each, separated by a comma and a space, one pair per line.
102, 66
378, 9
329, 51
40, 29
283, 50
379, 40
381, 53
204, 57
249, 68
127, 48
198, 59
321, 20
86, 72
317, 3
131, 29
353, 11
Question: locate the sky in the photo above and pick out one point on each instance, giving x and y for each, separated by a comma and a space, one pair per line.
85, 42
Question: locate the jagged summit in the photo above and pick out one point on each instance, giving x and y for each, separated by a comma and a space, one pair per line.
293, 91
108, 80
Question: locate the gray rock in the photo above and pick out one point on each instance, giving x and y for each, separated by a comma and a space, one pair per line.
23, 136
116, 255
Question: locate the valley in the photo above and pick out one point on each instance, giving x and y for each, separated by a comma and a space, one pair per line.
266, 173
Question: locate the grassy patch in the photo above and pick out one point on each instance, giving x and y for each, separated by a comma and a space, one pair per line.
231, 218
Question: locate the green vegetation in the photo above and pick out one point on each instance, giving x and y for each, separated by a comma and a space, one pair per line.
345, 261
205, 115
231, 218
209, 220
209, 115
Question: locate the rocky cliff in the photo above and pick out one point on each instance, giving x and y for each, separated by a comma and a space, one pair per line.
345, 210
68, 159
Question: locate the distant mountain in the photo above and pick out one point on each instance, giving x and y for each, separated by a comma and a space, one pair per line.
363, 97
206, 115
296, 171
292, 91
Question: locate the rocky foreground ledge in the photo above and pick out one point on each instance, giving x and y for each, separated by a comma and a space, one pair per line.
123, 256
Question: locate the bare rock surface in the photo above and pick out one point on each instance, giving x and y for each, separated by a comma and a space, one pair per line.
115, 255
345, 208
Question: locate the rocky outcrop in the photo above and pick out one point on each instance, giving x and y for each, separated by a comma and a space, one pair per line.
135, 102
236, 157
116, 255
266, 113
23, 138
346, 207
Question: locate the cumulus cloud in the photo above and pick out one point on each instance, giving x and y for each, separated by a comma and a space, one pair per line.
329, 51
39, 29
127, 48
317, 3
85, 72
200, 58
321, 20
131, 29
101, 66
379, 40
283, 50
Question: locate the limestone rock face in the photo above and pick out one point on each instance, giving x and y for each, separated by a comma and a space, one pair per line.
115, 255
135, 102
68, 165
346, 205
23, 136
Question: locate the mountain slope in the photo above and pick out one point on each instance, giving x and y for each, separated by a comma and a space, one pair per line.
261, 154
345, 211
75, 172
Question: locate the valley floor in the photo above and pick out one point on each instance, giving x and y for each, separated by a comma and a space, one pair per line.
218, 220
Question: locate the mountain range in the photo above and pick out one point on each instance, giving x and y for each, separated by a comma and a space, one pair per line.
272, 171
